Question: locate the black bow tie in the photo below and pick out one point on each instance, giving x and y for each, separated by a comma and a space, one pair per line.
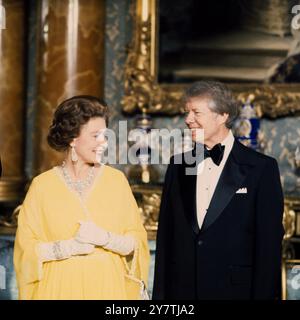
216, 153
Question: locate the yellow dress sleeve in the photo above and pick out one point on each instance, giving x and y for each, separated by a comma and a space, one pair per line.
27, 265
138, 263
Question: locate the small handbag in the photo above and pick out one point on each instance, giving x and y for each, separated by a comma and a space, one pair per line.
135, 288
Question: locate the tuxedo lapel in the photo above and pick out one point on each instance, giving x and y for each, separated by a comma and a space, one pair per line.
187, 185
231, 179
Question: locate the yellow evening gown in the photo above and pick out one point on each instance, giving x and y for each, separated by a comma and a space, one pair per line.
51, 212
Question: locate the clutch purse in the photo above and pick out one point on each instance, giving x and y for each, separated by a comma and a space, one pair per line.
135, 288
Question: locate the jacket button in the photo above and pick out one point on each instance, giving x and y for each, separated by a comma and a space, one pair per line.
200, 242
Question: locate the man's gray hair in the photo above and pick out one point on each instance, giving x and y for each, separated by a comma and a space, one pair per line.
219, 94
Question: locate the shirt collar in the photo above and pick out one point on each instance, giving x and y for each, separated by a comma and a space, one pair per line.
228, 143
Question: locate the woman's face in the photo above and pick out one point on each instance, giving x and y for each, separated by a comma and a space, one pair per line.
91, 140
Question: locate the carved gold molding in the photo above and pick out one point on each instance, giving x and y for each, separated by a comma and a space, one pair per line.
148, 199
276, 100
143, 93
291, 213
289, 219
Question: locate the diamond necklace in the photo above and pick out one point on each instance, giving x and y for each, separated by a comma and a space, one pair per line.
80, 185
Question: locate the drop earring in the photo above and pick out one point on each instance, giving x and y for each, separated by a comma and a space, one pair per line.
74, 156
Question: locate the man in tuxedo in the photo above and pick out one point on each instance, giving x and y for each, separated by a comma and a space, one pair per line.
220, 229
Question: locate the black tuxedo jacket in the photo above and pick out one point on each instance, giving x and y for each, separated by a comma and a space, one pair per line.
237, 252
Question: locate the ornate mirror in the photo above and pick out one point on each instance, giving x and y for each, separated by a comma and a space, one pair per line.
177, 42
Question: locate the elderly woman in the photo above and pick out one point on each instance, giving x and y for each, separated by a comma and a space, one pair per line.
79, 234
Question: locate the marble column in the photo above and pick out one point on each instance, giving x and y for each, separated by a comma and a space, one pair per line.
71, 62
12, 100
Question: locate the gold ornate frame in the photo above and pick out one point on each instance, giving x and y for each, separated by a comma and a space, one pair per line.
143, 93
284, 266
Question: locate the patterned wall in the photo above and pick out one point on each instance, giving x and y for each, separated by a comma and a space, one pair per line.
282, 137
118, 34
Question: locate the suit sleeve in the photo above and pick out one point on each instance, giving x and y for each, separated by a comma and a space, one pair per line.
163, 241
269, 234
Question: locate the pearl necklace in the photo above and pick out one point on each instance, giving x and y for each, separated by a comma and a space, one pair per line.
80, 185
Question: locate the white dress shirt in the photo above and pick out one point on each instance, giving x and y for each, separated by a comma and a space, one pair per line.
208, 175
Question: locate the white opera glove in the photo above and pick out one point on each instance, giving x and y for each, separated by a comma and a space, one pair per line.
123, 245
89, 232
63, 249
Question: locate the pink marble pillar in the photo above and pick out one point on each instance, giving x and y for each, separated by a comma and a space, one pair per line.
71, 62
